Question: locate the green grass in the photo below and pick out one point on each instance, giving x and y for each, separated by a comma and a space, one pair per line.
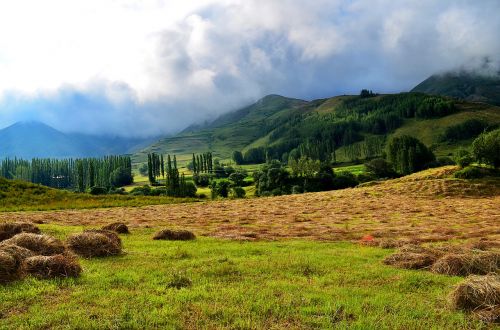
430, 131
24, 196
354, 169
233, 285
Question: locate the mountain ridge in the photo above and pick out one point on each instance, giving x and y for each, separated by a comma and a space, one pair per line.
34, 139
463, 85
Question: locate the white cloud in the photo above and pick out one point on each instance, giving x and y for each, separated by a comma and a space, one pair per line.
158, 65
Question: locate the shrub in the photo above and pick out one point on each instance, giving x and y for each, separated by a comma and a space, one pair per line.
141, 191
8, 230
365, 177
271, 176
237, 178
39, 244
463, 158
174, 235
117, 191
98, 191
444, 161
118, 227
380, 168
238, 192
95, 244
344, 180
121, 177
470, 172
276, 192
297, 189
220, 188
45, 267
486, 148
202, 180
189, 190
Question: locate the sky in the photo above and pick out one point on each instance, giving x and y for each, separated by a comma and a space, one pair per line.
151, 67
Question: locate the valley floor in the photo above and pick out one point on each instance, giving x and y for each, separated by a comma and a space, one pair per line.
269, 263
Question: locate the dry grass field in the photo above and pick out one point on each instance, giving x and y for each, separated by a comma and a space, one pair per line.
427, 207
290, 262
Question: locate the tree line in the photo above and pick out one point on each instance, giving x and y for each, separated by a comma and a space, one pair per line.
78, 174
175, 183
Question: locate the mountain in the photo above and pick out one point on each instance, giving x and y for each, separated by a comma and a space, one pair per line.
35, 139
463, 85
355, 126
229, 132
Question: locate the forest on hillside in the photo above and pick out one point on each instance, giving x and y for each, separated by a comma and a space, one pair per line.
360, 125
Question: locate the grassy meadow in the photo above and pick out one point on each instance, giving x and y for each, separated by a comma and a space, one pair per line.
210, 283
24, 196
291, 261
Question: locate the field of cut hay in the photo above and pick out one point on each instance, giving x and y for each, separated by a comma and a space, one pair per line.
391, 255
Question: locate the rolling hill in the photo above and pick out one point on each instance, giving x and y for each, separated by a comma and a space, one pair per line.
463, 85
35, 139
232, 131
282, 124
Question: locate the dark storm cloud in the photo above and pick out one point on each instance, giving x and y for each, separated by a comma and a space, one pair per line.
227, 54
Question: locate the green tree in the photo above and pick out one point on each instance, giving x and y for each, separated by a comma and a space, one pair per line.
486, 148
238, 157
408, 154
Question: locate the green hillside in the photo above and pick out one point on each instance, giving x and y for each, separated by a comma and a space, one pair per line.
350, 127
463, 86
233, 131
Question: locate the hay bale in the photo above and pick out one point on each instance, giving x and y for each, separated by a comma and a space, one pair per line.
453, 264
477, 293
410, 260
118, 227
108, 233
95, 243
174, 235
389, 243
17, 252
471, 263
413, 257
45, 267
484, 263
489, 315
8, 230
9, 268
40, 244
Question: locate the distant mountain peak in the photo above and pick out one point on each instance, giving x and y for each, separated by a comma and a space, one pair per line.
31, 138
466, 85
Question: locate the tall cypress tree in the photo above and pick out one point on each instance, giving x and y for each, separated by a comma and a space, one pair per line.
162, 167
194, 164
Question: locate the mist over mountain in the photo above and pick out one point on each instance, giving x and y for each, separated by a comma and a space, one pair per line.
32, 139
164, 65
470, 86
